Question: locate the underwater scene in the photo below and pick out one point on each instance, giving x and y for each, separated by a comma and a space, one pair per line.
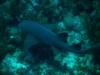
49, 37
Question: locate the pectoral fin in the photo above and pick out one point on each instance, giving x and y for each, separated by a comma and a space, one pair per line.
29, 41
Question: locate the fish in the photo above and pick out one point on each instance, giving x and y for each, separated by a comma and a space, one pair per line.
47, 37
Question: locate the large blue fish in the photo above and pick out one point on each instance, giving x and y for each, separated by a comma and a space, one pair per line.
46, 36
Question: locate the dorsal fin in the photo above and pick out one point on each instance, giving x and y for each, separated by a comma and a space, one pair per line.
63, 36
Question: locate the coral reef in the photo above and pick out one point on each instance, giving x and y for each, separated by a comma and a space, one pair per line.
76, 22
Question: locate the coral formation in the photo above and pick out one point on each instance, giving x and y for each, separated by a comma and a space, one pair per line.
75, 21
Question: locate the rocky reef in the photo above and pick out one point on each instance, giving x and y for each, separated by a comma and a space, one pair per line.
76, 22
